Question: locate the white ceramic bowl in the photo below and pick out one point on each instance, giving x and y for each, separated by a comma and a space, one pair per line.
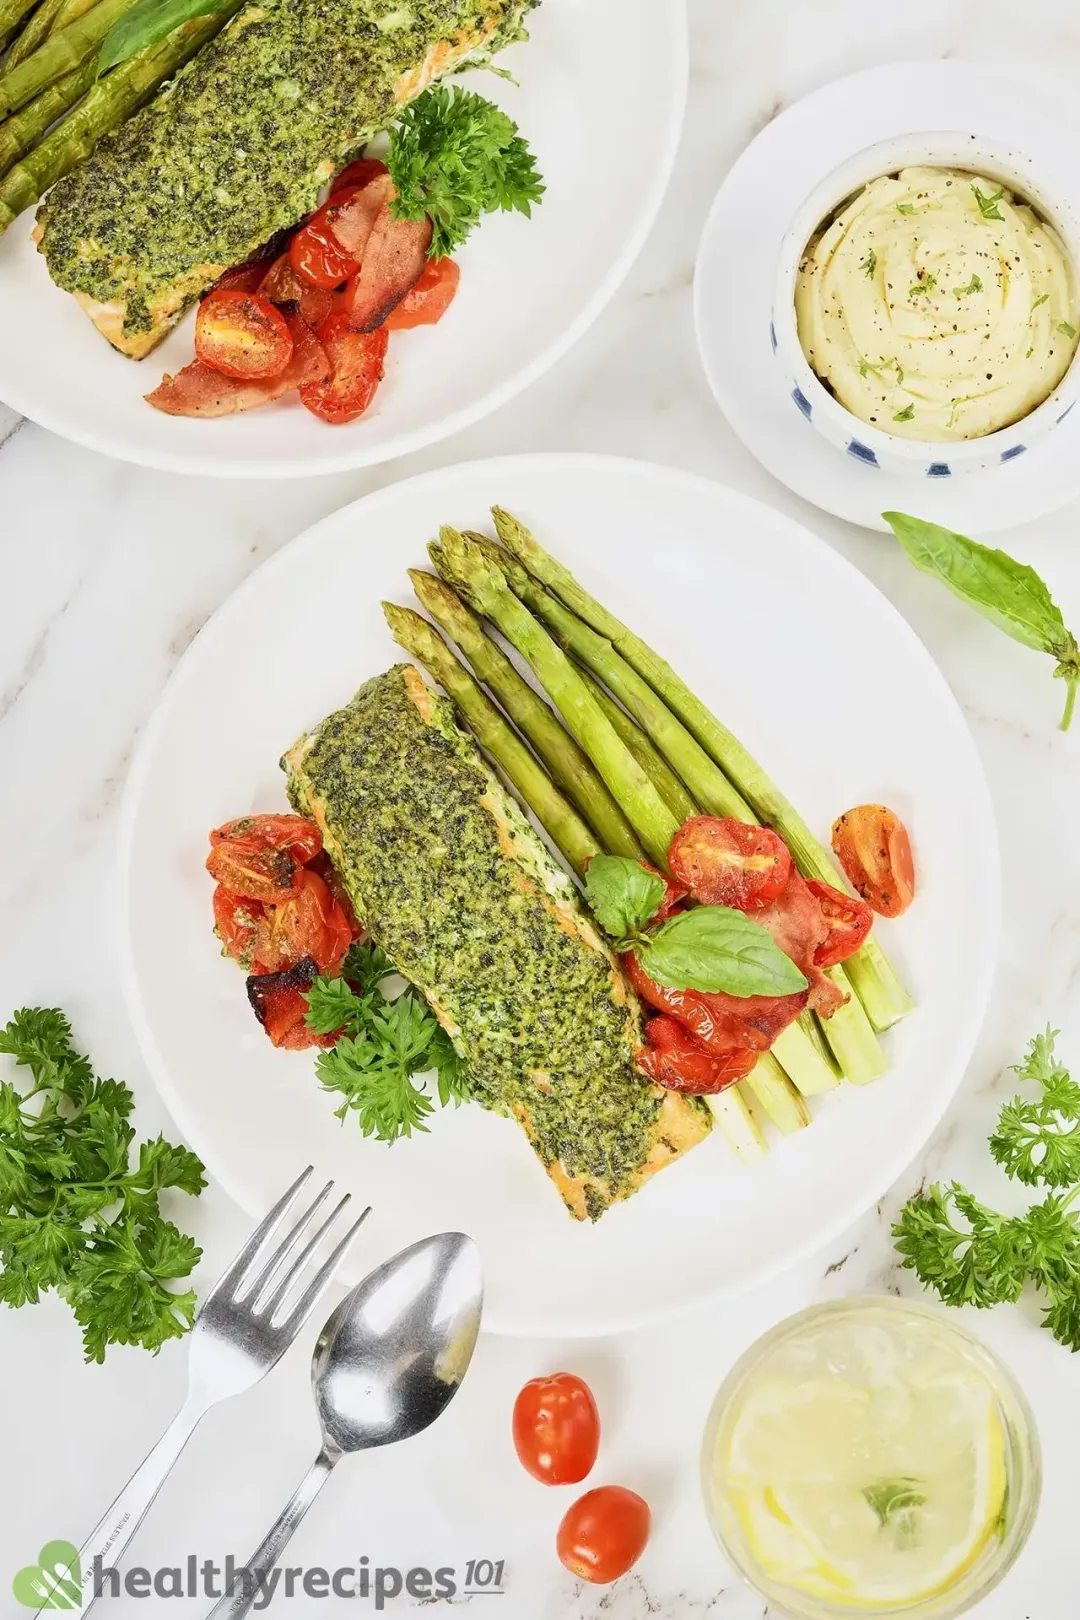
915, 458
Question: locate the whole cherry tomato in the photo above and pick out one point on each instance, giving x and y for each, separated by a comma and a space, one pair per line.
309, 923
556, 1428
849, 921
604, 1534
872, 845
297, 834
242, 334
724, 862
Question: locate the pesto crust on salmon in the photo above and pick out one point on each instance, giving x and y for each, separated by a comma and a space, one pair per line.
239, 145
453, 882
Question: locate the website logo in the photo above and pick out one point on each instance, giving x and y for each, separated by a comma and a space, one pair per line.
54, 1582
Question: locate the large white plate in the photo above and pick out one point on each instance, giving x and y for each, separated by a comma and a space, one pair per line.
733, 291
601, 93
795, 649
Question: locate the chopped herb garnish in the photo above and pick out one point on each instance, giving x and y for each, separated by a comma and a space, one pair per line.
1043, 297
906, 415
1029, 354
1069, 331
925, 284
905, 208
988, 206
973, 286
869, 264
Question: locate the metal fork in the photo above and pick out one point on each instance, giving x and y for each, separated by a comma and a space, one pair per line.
243, 1328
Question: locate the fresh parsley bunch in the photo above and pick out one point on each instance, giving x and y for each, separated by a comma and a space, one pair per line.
384, 1044
971, 1255
455, 157
75, 1214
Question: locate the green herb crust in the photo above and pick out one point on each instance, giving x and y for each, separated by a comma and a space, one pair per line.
238, 146
457, 888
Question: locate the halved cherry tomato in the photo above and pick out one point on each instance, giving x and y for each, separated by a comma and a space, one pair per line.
724, 862
675, 1059
297, 834
324, 866
604, 1534
719, 1022
282, 285
245, 277
306, 924
315, 252
279, 1002
242, 334
556, 1428
356, 370
236, 920
872, 845
248, 867
428, 300
355, 176
674, 895
849, 921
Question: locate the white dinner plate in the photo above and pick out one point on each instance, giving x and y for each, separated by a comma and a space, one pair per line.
733, 290
747, 604
529, 287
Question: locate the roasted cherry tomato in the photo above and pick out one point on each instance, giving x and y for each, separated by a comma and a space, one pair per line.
872, 845
279, 1002
253, 869
242, 334
282, 285
674, 895
724, 862
849, 921
245, 277
236, 921
356, 370
296, 834
308, 923
315, 252
719, 1022
677, 1060
556, 1429
428, 299
355, 176
604, 1534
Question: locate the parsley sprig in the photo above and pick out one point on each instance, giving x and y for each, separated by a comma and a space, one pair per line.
75, 1214
455, 157
384, 1044
970, 1254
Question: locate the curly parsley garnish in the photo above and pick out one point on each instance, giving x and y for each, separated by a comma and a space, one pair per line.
455, 157
75, 1214
384, 1044
970, 1254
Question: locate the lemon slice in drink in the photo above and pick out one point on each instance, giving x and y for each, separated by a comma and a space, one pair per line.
868, 1494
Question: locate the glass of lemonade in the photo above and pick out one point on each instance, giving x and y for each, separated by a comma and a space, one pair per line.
871, 1456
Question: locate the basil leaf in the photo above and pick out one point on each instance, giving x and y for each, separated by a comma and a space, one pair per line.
1008, 593
147, 22
622, 894
716, 948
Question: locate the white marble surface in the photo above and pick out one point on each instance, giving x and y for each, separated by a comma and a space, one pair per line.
108, 573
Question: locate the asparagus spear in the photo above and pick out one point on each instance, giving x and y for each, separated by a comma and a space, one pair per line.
884, 997
60, 53
21, 132
50, 15
774, 1091
498, 739
12, 13
109, 102
641, 803
651, 760
570, 769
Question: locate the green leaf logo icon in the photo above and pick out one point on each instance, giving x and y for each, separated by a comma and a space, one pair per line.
54, 1582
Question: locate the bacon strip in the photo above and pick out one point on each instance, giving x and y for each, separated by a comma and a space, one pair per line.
394, 258
199, 390
353, 223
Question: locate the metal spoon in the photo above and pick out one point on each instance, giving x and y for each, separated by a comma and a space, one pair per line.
388, 1361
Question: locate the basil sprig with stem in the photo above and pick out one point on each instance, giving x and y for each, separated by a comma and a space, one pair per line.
1008, 593
711, 948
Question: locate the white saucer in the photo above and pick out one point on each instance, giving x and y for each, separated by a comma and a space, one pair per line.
736, 269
